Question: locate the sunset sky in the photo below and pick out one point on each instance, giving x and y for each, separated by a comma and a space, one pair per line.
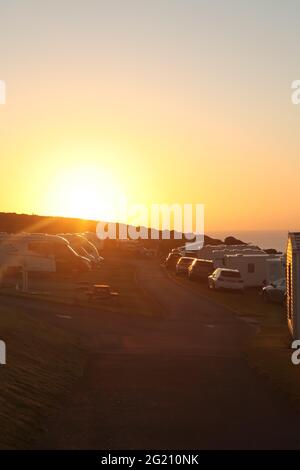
161, 101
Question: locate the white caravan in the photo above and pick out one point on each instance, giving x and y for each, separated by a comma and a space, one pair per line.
254, 268
218, 256
207, 251
39, 252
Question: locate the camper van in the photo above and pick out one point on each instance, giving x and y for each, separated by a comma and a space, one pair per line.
39, 252
218, 256
92, 237
255, 269
83, 247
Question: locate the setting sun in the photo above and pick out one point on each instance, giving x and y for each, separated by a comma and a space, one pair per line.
86, 192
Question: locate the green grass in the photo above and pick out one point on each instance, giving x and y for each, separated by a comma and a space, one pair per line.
43, 362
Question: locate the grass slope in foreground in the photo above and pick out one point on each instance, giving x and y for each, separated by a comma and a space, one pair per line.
43, 361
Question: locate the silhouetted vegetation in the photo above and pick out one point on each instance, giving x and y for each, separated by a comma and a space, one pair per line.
16, 223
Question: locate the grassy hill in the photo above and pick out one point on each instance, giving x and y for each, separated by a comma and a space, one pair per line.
14, 223
43, 361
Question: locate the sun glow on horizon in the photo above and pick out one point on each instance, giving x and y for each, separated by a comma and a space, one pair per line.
86, 192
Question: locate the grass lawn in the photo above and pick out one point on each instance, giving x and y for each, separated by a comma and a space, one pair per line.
269, 351
43, 362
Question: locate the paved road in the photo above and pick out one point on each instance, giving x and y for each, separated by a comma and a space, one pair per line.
175, 383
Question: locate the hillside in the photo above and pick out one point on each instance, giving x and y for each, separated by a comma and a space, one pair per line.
15, 223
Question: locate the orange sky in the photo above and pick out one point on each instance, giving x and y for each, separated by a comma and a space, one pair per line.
193, 107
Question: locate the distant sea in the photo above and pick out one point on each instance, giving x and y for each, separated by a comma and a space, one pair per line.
263, 238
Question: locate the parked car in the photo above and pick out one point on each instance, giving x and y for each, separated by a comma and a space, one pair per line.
223, 278
200, 269
172, 259
183, 265
275, 292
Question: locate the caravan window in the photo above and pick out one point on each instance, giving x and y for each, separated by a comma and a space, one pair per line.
251, 268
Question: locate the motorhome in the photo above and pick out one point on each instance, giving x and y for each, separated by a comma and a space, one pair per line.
39, 252
92, 237
83, 247
254, 268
